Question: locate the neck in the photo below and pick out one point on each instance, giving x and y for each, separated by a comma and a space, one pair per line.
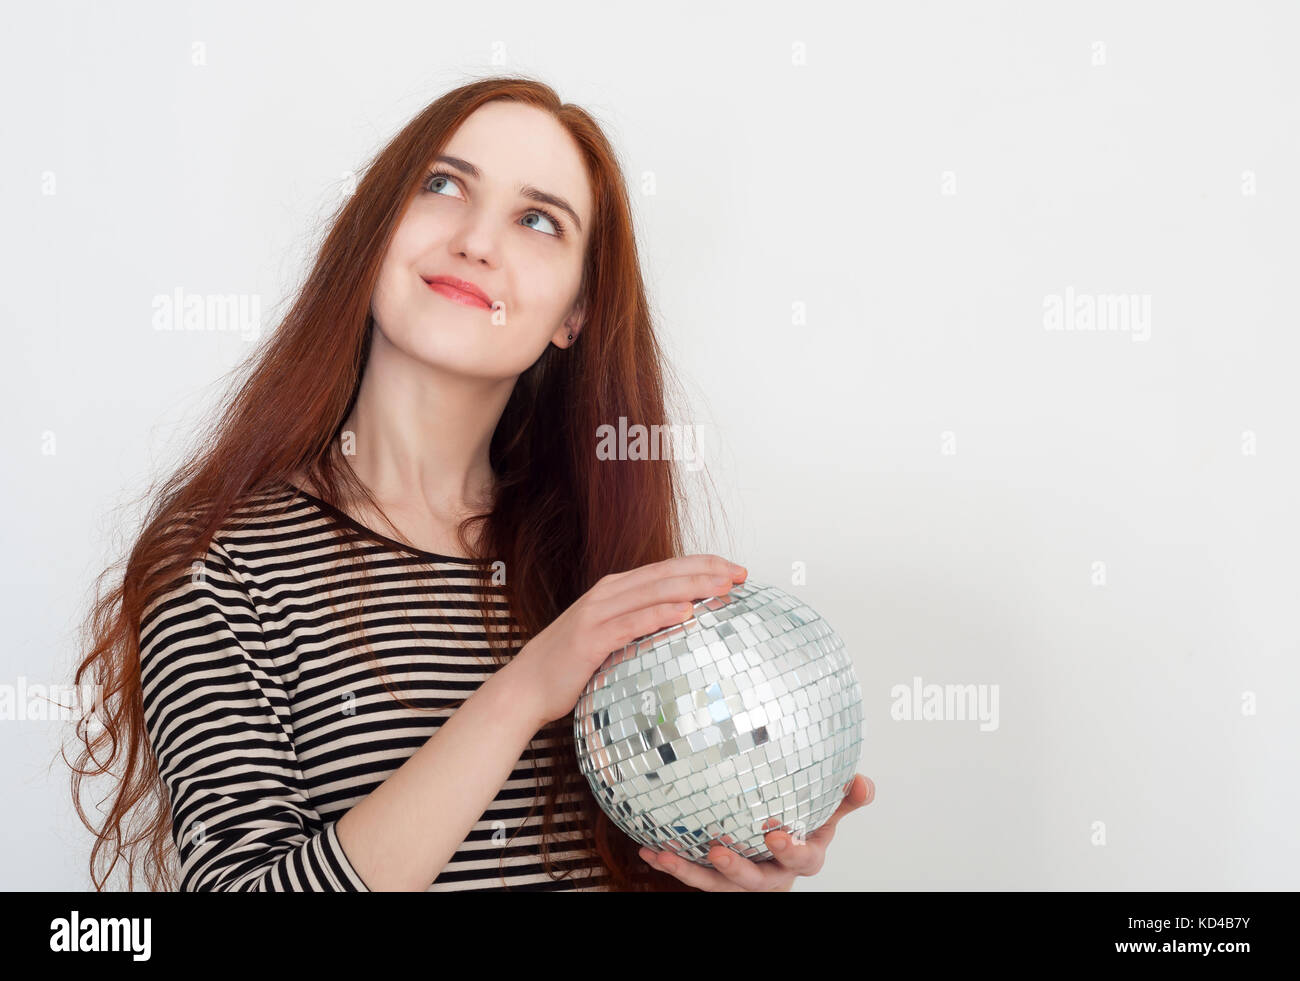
421, 434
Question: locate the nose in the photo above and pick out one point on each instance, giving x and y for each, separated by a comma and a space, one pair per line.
474, 240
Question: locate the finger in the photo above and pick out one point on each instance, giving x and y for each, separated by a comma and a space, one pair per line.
748, 875
709, 566
689, 872
646, 609
622, 610
795, 854
622, 631
686, 587
861, 793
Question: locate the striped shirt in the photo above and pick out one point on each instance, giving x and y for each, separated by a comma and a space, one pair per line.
269, 722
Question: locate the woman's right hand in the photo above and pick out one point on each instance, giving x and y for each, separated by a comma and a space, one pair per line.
558, 662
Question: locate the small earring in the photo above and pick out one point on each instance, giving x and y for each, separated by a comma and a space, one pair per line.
570, 335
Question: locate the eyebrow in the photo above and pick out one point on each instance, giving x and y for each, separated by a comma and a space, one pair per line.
527, 190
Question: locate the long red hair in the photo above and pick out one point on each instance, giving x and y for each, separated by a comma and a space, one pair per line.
560, 513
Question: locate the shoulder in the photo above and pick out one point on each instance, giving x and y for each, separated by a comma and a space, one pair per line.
216, 572
204, 609
259, 511
301, 480
224, 583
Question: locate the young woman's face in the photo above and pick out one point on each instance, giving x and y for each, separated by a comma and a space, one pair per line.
474, 223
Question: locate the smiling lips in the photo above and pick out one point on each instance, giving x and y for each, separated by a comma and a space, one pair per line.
460, 291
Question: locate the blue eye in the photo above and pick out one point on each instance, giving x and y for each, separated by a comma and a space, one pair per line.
436, 176
442, 175
547, 218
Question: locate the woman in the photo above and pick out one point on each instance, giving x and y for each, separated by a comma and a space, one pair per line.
475, 313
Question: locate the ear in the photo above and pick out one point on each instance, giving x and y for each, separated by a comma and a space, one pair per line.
572, 324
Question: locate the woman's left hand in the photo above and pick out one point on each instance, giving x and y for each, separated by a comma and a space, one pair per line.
735, 873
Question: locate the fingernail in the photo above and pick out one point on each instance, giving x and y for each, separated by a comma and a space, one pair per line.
722, 861
778, 844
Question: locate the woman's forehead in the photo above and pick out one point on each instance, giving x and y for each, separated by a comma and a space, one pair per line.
514, 145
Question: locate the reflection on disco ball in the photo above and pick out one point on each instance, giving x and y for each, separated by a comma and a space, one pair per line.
700, 733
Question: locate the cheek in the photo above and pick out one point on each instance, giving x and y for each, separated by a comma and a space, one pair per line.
388, 299
396, 286
543, 289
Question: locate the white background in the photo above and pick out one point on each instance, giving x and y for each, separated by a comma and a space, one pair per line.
1103, 147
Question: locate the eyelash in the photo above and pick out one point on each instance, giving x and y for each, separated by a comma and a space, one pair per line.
560, 230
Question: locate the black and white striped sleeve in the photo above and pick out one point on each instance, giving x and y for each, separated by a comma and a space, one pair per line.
218, 719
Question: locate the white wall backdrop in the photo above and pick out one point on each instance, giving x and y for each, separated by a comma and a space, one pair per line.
859, 225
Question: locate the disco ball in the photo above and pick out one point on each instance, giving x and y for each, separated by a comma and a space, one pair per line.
700, 733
